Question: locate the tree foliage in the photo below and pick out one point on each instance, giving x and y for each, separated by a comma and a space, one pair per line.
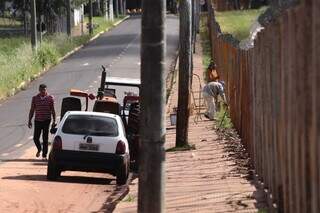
51, 10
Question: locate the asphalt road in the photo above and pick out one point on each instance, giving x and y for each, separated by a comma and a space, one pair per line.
118, 50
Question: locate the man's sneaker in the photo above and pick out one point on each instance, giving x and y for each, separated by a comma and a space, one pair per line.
38, 154
44, 158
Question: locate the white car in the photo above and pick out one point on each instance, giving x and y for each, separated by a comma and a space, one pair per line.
91, 142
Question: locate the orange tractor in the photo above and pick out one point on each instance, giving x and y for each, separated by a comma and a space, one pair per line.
106, 101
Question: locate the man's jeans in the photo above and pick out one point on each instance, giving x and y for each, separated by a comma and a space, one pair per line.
41, 126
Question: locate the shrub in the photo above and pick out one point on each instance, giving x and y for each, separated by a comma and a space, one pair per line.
47, 54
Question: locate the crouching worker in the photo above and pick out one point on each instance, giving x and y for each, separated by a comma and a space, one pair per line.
210, 93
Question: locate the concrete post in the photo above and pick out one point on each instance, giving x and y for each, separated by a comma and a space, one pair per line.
153, 100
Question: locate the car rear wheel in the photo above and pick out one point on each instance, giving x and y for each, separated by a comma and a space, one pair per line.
53, 172
123, 174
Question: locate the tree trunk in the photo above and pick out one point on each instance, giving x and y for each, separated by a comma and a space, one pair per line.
124, 7
120, 7
33, 25
25, 21
69, 17
198, 8
103, 7
111, 12
90, 17
97, 8
153, 100
185, 54
116, 7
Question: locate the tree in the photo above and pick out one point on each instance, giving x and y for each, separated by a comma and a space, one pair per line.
97, 10
116, 8
185, 65
52, 10
103, 6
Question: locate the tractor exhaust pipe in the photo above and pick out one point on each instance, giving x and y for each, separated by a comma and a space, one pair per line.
102, 83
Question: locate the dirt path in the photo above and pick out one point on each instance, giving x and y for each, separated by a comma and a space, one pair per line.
24, 188
209, 178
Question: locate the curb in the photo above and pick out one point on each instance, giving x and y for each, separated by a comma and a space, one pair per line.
23, 84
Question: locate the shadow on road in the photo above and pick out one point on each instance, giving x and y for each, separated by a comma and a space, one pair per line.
30, 160
118, 194
63, 179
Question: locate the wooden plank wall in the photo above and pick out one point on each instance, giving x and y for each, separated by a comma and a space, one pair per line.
274, 94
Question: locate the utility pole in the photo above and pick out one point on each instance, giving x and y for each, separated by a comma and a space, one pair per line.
90, 17
153, 100
185, 65
33, 25
69, 18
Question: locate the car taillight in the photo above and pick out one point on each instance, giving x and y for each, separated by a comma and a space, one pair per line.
121, 148
57, 143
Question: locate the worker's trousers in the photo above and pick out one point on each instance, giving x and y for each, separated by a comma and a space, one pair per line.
211, 103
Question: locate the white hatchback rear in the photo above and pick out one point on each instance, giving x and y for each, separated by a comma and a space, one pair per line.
90, 141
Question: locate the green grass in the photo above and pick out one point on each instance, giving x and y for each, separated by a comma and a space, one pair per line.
223, 119
129, 198
18, 63
238, 23
9, 45
205, 42
9, 23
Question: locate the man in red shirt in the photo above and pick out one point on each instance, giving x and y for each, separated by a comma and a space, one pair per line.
42, 106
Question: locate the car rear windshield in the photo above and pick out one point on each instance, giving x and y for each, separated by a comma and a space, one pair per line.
90, 125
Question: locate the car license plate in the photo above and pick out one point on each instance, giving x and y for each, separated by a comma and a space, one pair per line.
90, 147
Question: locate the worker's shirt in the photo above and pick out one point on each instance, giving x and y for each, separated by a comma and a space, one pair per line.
43, 106
214, 89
